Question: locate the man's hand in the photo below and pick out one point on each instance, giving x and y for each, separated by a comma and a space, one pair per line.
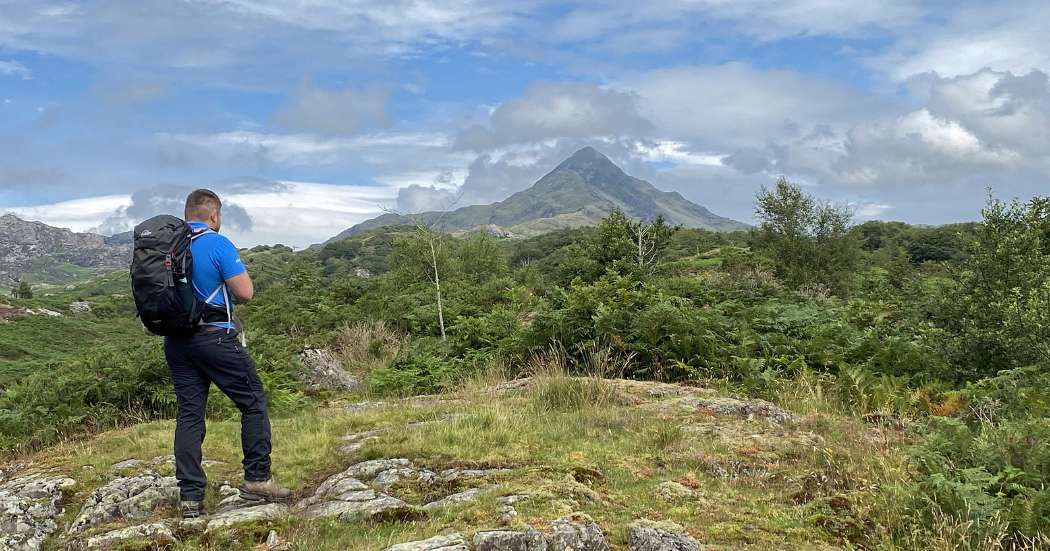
241, 287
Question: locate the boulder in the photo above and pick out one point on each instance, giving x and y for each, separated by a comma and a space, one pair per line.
568, 534
269, 511
80, 307
131, 497
319, 370
509, 540
451, 542
646, 535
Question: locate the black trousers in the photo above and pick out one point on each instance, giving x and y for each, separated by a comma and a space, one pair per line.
196, 362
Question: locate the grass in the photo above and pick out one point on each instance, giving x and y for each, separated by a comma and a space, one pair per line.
574, 444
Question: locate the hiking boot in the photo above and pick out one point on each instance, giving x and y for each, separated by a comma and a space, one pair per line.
190, 509
264, 490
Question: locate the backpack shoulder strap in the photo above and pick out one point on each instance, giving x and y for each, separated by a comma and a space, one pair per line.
198, 233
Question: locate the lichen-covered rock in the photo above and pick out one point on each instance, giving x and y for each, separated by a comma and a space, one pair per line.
80, 307
455, 475
319, 370
157, 534
451, 542
465, 496
126, 464
132, 497
509, 540
355, 506
367, 470
646, 535
568, 534
344, 496
749, 409
29, 506
269, 511
674, 491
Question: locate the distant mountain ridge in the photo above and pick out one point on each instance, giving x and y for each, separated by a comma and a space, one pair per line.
46, 254
580, 191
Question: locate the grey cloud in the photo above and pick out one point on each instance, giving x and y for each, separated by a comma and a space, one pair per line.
558, 110
415, 198
146, 203
335, 112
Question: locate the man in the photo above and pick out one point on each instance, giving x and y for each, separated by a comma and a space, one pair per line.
215, 354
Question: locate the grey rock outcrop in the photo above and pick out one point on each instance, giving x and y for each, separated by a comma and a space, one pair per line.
570, 535
459, 498
749, 409
157, 534
269, 511
319, 370
132, 497
29, 506
451, 542
80, 307
344, 496
510, 540
646, 535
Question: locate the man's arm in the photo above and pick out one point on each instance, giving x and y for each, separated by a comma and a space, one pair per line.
241, 287
233, 271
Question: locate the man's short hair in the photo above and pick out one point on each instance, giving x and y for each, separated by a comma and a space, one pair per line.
201, 203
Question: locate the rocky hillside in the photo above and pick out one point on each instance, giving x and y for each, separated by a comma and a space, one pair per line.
548, 463
580, 191
45, 254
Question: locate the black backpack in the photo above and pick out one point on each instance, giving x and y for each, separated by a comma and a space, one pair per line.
161, 266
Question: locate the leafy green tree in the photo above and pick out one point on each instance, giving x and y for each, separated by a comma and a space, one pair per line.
999, 314
808, 240
619, 245
24, 290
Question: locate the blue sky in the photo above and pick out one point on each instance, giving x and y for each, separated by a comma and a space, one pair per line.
312, 115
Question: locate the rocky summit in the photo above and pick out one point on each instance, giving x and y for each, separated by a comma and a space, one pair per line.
45, 254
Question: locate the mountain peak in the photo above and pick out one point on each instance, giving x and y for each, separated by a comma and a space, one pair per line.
589, 159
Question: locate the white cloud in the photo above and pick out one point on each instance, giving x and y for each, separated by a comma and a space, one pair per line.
77, 214
294, 213
675, 152
296, 149
557, 110
1004, 36
304, 213
736, 105
14, 69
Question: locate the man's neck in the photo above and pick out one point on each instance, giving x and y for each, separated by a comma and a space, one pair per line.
201, 222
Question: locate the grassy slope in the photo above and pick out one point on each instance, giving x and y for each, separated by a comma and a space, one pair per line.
43, 342
574, 445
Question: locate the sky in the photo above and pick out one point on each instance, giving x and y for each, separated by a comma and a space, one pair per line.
309, 116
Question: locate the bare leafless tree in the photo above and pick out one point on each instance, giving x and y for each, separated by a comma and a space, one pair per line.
429, 233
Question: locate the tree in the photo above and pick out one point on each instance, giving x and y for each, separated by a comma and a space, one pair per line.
433, 253
24, 290
999, 314
809, 240
619, 244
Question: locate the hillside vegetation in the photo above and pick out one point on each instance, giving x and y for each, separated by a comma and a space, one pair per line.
911, 363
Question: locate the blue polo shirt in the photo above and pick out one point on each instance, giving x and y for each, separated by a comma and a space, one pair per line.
215, 260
